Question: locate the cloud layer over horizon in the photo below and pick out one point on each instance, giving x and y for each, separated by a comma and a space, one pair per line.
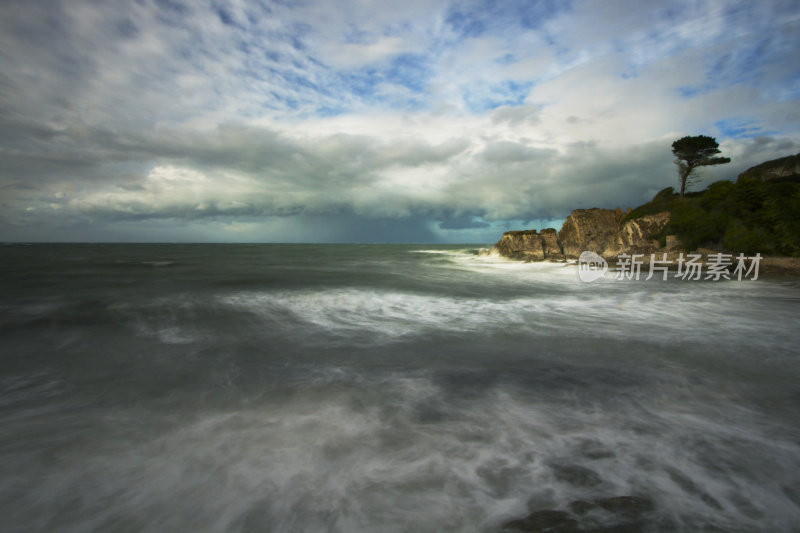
163, 120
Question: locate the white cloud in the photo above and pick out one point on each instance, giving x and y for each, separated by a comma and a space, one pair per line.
351, 55
131, 111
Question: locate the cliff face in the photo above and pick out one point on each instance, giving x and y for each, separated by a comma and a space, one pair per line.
596, 229
636, 236
552, 246
527, 245
589, 229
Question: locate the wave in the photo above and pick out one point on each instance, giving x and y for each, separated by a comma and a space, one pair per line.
401, 453
647, 315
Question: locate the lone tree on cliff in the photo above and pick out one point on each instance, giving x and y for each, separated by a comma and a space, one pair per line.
692, 152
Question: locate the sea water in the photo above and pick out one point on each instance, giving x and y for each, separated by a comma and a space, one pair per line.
350, 388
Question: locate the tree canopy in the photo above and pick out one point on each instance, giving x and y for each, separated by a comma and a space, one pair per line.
695, 151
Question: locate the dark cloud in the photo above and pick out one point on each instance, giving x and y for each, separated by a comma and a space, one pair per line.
516, 115
508, 152
407, 121
462, 222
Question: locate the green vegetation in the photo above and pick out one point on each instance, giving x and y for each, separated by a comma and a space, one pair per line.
665, 200
748, 216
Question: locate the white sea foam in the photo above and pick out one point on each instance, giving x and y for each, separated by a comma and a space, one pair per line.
439, 392
646, 313
172, 320
366, 458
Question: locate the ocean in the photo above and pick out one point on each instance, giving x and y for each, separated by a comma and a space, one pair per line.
388, 388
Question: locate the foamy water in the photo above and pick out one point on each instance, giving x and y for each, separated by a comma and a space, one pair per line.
302, 388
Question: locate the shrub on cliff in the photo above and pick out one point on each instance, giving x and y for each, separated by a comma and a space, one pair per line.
742, 239
663, 201
748, 216
694, 225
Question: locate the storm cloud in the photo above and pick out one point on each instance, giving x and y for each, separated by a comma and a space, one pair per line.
358, 121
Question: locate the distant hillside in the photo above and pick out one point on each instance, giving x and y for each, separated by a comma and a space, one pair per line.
783, 169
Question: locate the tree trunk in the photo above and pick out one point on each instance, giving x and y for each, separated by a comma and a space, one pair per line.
684, 175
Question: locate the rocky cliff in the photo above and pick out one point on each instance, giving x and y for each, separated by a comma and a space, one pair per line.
551, 245
595, 229
589, 229
636, 236
527, 245
759, 213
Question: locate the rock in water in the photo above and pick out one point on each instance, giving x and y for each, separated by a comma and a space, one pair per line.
589, 229
526, 245
551, 521
626, 505
551, 244
530, 245
576, 475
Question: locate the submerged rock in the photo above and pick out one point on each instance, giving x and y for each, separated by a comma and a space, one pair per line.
618, 514
551, 521
626, 505
576, 475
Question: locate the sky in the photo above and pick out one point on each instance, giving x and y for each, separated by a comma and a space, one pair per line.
366, 121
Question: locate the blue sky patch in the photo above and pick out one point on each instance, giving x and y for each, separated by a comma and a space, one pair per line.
484, 98
738, 128
409, 70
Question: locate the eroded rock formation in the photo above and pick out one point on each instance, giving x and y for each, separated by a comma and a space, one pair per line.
636, 236
595, 229
527, 245
589, 229
552, 246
